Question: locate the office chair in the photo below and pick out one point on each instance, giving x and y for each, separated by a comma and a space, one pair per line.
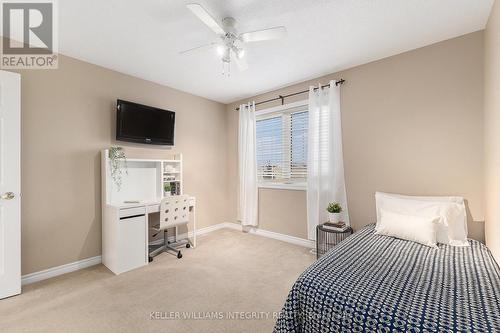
174, 211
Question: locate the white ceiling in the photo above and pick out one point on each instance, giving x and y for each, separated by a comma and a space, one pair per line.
143, 38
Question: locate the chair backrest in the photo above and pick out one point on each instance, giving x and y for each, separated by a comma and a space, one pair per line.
174, 210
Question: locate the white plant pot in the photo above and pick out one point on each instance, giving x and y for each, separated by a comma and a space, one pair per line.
334, 217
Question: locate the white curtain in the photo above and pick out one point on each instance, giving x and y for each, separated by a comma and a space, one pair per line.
325, 165
247, 158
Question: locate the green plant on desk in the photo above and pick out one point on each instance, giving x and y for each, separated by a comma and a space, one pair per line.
168, 188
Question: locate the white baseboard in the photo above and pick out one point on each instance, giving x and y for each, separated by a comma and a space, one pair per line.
234, 226
274, 235
285, 238
208, 229
199, 232
59, 270
77, 265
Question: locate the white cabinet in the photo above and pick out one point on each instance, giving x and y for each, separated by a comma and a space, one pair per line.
132, 238
124, 236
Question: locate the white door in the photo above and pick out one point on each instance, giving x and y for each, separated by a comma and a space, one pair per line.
10, 184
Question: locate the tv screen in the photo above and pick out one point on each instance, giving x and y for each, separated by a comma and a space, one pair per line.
144, 124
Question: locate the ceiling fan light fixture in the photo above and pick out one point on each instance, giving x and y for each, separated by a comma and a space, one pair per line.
238, 52
221, 50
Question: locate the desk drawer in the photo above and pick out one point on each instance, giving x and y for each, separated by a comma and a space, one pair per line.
153, 208
126, 212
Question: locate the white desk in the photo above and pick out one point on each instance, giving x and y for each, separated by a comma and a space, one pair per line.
125, 226
125, 234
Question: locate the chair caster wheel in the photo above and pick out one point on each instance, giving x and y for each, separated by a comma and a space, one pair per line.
179, 255
150, 259
188, 246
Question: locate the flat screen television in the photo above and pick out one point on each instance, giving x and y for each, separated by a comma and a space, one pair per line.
144, 124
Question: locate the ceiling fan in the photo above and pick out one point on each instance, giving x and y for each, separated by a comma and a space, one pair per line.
230, 45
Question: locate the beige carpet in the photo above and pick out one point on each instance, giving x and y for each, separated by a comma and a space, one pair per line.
229, 275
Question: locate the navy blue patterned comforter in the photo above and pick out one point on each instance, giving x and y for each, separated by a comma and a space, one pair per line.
373, 283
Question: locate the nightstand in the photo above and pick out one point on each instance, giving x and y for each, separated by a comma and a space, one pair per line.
327, 238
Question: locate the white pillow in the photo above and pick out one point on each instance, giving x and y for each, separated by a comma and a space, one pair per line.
452, 226
413, 228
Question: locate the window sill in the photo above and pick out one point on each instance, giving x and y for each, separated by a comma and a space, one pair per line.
284, 186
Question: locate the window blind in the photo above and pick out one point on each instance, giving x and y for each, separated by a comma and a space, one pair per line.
282, 145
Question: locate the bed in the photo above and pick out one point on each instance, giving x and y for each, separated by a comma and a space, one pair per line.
375, 283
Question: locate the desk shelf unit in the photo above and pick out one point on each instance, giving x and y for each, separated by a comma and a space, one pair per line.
172, 175
142, 179
125, 224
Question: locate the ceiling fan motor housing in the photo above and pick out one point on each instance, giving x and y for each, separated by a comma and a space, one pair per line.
229, 24
229, 38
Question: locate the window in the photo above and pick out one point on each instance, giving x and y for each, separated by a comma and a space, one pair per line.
282, 146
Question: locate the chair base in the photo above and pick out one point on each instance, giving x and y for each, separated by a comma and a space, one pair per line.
169, 247
155, 250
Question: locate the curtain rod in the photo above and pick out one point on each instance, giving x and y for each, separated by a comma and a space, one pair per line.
282, 97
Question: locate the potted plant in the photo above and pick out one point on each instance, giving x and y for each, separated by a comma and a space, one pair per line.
118, 165
334, 209
168, 189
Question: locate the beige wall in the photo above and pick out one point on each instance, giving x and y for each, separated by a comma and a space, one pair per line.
283, 211
492, 131
412, 124
67, 118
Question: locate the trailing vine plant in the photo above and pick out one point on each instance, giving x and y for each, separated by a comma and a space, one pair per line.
116, 156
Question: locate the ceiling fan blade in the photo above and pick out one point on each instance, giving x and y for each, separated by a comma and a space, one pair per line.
241, 63
205, 17
266, 34
199, 48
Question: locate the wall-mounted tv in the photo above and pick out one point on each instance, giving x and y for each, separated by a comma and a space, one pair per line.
144, 124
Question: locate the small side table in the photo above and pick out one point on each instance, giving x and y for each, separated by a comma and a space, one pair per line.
327, 238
